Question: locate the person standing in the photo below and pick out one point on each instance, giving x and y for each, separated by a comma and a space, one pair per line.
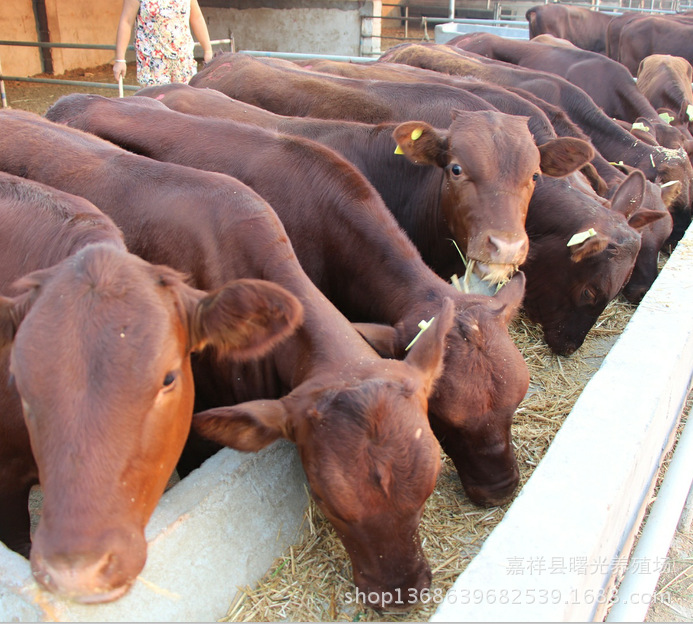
163, 40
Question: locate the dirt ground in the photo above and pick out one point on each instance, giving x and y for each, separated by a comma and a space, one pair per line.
674, 596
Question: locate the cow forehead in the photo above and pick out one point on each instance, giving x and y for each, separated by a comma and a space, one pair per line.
103, 308
480, 135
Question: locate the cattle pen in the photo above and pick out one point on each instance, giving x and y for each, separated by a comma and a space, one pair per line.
582, 504
239, 539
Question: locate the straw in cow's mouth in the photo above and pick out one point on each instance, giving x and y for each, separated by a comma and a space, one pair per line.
482, 278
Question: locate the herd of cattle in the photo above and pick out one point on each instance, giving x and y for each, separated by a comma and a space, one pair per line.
273, 251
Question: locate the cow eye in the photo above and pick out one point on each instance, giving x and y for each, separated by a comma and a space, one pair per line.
535, 177
589, 296
456, 169
169, 379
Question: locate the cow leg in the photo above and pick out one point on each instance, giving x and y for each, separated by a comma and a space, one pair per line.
15, 522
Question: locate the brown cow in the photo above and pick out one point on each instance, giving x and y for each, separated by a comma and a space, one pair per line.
361, 144
595, 268
659, 164
665, 80
494, 234
606, 81
253, 80
582, 27
359, 421
357, 144
100, 364
639, 38
333, 228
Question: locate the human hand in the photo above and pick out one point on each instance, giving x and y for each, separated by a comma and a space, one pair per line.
208, 54
120, 68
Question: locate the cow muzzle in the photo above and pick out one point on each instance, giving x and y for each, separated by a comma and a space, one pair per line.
89, 578
400, 595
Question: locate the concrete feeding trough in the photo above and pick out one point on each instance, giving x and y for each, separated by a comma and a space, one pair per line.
568, 534
553, 557
217, 530
503, 28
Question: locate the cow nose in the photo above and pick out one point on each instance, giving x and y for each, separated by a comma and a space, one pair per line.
634, 294
87, 576
496, 493
400, 595
83, 581
507, 249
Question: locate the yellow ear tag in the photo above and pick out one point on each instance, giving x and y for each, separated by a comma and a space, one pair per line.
689, 112
581, 237
639, 125
398, 149
666, 117
423, 326
415, 134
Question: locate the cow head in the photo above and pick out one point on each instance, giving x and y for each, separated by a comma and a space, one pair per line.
670, 165
368, 452
490, 165
483, 381
655, 225
581, 255
101, 358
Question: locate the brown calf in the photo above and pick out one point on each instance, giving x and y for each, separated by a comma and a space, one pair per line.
483, 191
322, 384
659, 164
584, 28
606, 81
339, 227
100, 365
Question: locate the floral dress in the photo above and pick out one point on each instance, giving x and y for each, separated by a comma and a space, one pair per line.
163, 42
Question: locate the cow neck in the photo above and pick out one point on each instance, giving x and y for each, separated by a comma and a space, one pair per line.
411, 193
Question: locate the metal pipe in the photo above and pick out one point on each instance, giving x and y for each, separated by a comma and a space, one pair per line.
78, 83
3, 95
85, 46
485, 22
656, 536
300, 55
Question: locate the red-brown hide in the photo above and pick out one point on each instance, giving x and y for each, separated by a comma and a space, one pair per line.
606, 81
615, 144
340, 227
581, 26
324, 376
100, 364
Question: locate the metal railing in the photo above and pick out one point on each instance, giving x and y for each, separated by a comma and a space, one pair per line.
75, 83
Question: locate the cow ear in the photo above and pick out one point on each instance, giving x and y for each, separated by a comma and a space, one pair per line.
510, 297
248, 426
383, 338
644, 217
426, 351
9, 320
420, 143
598, 184
630, 194
590, 247
245, 318
14, 309
670, 192
561, 157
